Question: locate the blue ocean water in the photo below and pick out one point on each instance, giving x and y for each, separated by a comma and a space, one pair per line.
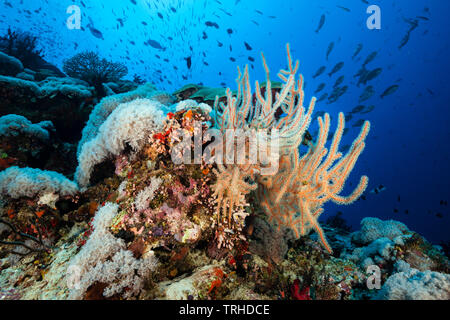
407, 149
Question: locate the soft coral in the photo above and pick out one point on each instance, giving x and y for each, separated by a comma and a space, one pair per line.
298, 294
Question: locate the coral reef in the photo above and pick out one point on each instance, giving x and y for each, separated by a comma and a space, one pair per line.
24, 46
412, 284
137, 223
10, 66
63, 101
21, 45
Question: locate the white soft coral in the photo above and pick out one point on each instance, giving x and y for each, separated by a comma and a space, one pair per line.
130, 123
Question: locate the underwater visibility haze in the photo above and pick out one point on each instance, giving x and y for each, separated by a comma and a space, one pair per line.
107, 113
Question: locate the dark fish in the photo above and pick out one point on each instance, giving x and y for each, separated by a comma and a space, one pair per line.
378, 189
357, 51
212, 24
220, 44
322, 97
370, 57
336, 68
337, 93
227, 13
229, 31
338, 81
321, 23
374, 73
368, 75
389, 91
330, 48
319, 71
188, 62
154, 44
232, 59
160, 15
251, 59
247, 46
361, 72
320, 87
414, 24
344, 8
95, 32
367, 93
369, 109
439, 215
395, 210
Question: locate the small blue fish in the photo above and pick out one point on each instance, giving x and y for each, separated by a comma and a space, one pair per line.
154, 44
95, 32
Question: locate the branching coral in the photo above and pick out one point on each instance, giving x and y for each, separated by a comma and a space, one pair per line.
231, 189
23, 46
88, 66
240, 112
294, 195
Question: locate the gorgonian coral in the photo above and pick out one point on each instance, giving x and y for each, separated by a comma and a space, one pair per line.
294, 195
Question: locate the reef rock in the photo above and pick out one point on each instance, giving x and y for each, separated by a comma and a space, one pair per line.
9, 66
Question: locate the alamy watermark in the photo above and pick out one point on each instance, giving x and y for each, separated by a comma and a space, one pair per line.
374, 277
374, 20
74, 20
232, 146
